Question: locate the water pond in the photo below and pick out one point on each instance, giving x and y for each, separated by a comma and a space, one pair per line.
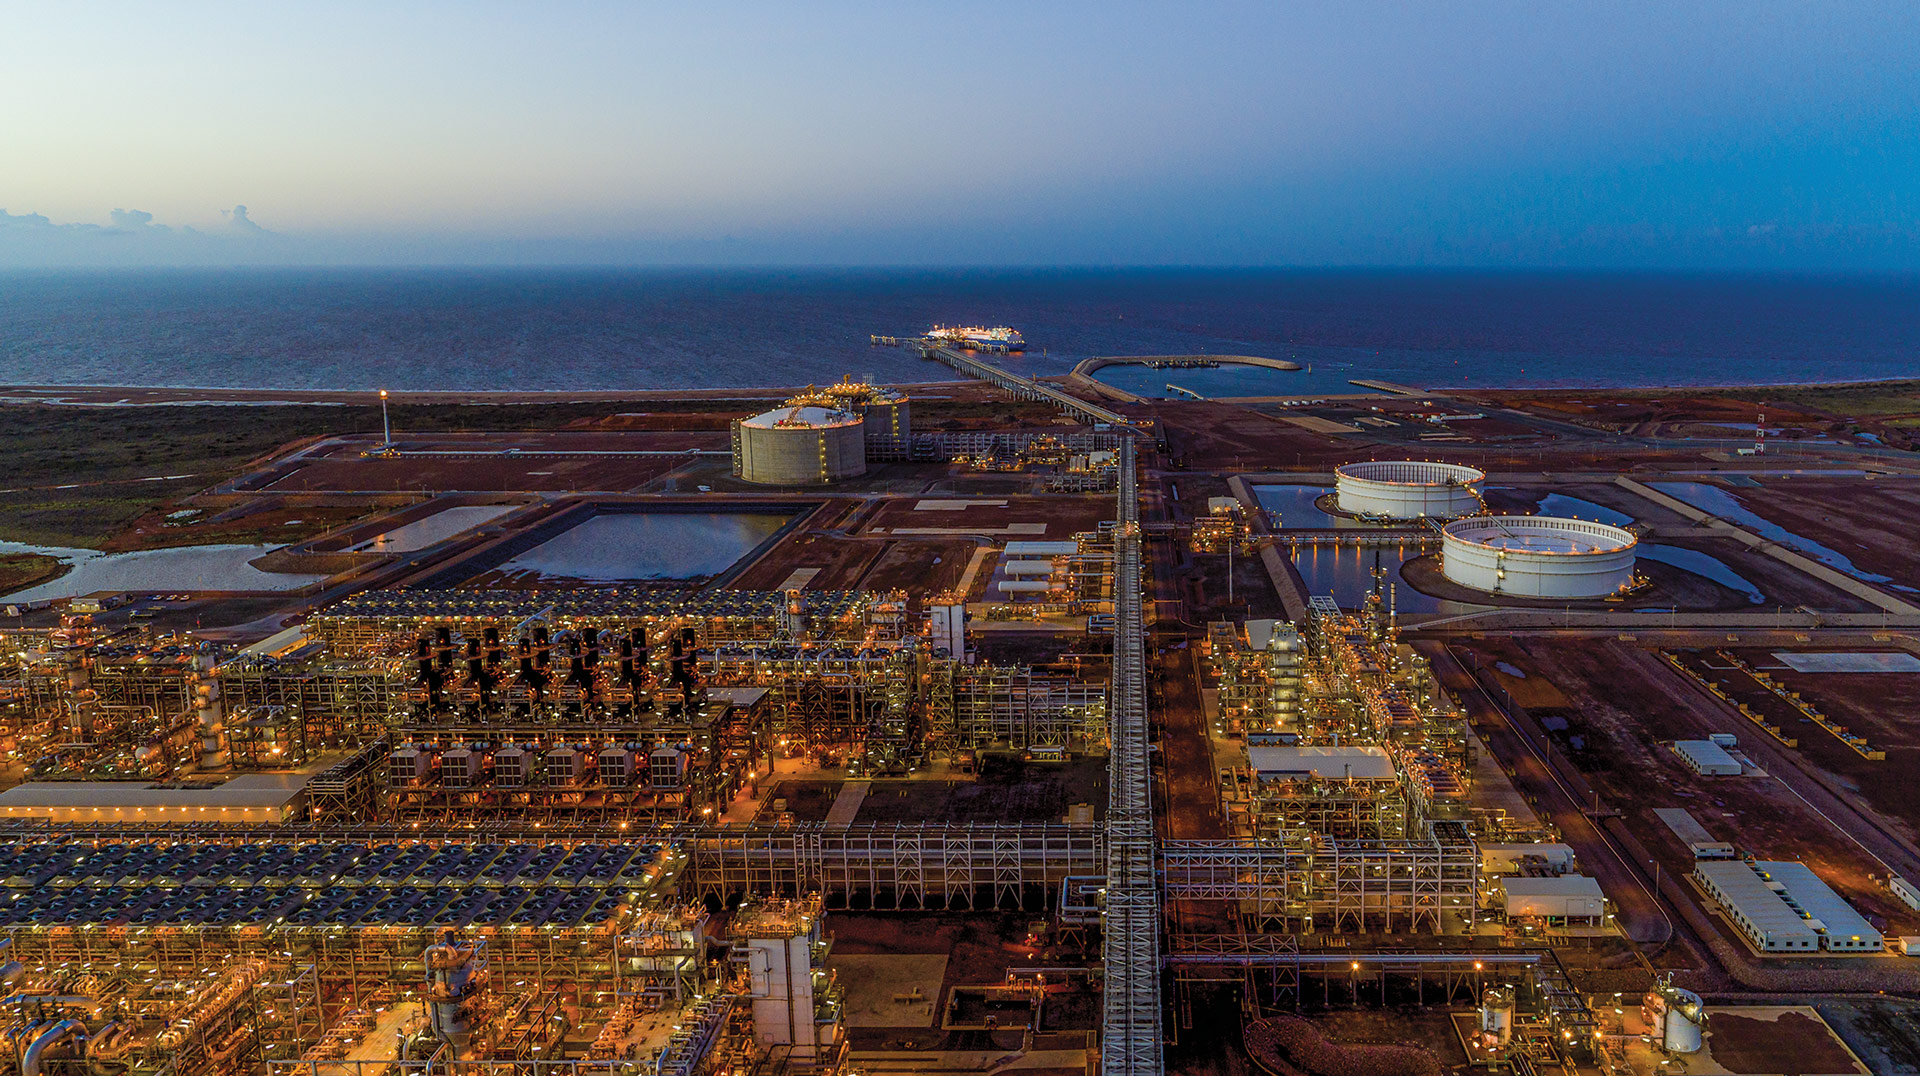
199, 567
1294, 507
1702, 564
1720, 502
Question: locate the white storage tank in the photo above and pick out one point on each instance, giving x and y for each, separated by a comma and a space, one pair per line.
1408, 489
1028, 567
1537, 556
1679, 1016
1496, 1015
805, 445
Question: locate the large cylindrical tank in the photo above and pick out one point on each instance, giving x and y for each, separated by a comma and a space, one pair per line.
887, 418
799, 446
1537, 556
1408, 489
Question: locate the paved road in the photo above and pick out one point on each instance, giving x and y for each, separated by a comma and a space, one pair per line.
1192, 801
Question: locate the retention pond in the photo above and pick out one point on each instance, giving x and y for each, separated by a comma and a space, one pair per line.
190, 568
622, 547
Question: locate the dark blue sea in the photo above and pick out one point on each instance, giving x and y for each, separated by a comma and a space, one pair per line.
634, 329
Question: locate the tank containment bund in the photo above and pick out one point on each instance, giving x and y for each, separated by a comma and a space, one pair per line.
1408, 489
799, 446
1537, 556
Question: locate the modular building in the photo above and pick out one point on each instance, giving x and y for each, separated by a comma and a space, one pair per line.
1783, 907
1566, 899
1537, 556
1408, 489
1707, 758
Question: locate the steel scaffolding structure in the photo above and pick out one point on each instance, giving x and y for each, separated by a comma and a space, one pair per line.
340, 700
1008, 704
971, 865
1130, 1035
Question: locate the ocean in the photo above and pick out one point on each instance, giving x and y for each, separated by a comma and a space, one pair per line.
566, 329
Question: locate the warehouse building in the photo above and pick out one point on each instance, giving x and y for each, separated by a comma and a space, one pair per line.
250, 798
1783, 907
1563, 900
1707, 758
1323, 763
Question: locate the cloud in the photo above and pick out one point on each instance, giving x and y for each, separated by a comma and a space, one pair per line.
134, 220
133, 237
239, 221
24, 220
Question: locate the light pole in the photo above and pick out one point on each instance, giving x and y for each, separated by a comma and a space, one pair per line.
386, 428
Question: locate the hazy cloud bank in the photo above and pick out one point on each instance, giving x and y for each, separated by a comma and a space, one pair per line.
133, 237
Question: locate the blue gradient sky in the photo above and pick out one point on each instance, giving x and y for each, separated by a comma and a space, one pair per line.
1698, 134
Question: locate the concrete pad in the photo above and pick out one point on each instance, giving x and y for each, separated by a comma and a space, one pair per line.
874, 983
1861, 662
941, 504
847, 804
949, 532
799, 579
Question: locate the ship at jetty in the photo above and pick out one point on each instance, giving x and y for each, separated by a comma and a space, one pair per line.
999, 338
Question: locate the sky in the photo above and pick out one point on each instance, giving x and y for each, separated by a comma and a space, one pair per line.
1701, 134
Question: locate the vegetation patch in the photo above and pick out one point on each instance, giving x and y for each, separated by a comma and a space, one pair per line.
18, 571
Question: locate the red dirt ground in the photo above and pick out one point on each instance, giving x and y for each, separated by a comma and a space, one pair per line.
1064, 516
1870, 521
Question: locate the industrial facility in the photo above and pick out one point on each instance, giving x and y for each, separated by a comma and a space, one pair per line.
1409, 489
1025, 731
1538, 556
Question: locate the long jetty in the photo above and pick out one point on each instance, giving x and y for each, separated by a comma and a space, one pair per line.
1020, 388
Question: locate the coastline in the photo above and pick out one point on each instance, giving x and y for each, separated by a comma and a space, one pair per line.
106, 396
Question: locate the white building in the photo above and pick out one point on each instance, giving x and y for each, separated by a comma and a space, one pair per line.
1327, 763
1783, 907
1566, 899
1707, 758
